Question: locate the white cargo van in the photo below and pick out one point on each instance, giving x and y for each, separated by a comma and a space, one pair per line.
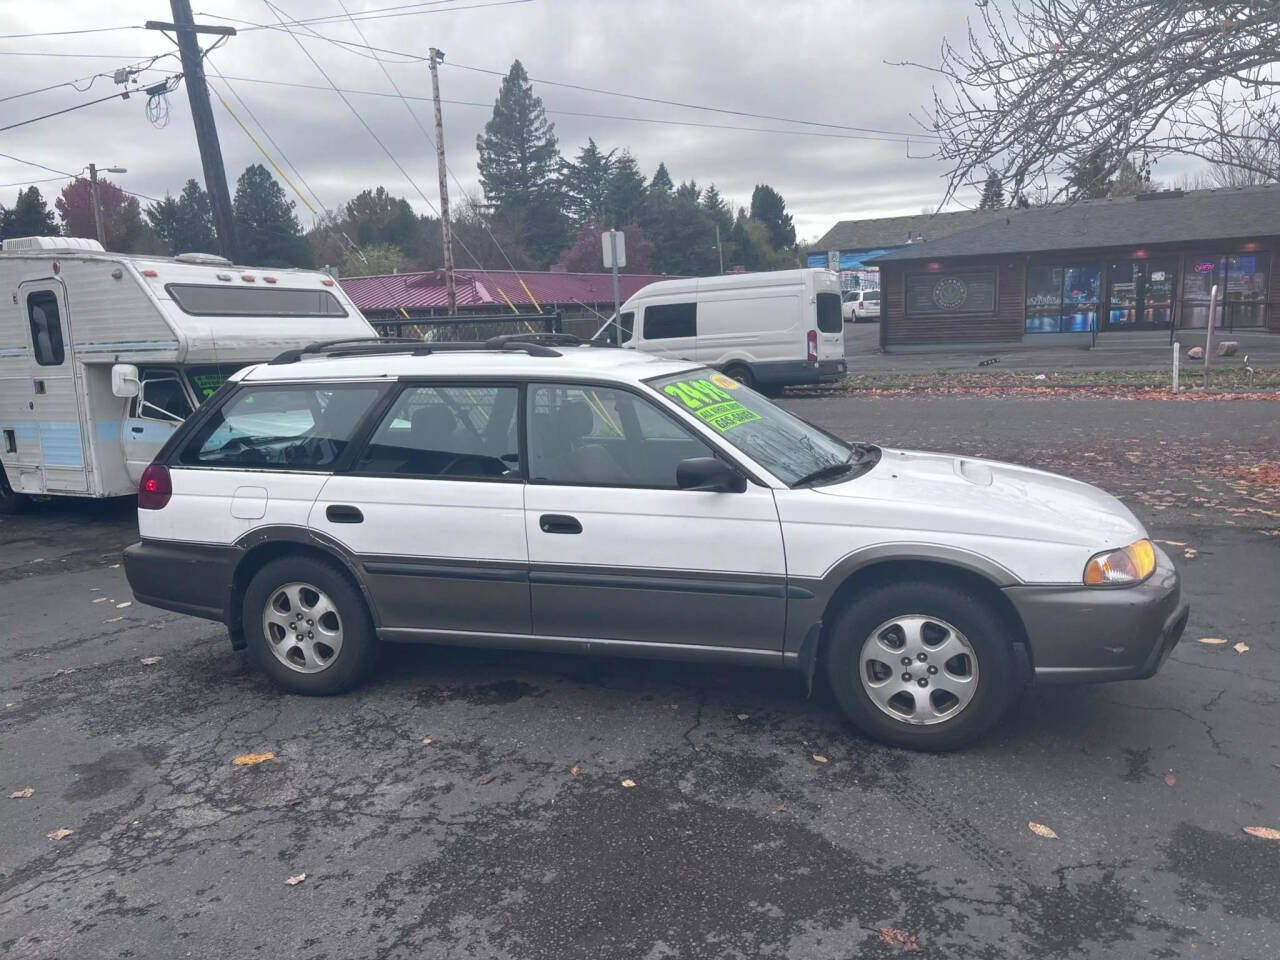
768, 330
102, 355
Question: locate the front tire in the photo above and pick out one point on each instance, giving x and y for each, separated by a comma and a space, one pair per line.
921, 664
308, 627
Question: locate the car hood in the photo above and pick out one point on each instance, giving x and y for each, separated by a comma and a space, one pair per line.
966, 495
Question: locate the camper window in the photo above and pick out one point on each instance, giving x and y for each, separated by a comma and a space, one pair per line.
666, 321
205, 301
162, 398
46, 327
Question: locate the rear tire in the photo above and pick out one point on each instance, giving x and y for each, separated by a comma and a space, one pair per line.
308, 627
742, 373
10, 502
951, 679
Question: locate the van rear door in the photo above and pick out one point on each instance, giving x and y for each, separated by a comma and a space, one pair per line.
830, 325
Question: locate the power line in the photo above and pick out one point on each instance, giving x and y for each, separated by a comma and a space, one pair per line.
252, 26
65, 33
131, 68
577, 113
76, 56
79, 106
71, 176
284, 27
28, 183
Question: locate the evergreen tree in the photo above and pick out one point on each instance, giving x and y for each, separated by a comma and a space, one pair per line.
689, 190
661, 181
768, 208
266, 228
29, 217
519, 162
721, 216
585, 183
626, 193
1090, 176
122, 223
992, 192
376, 217
1130, 179
185, 224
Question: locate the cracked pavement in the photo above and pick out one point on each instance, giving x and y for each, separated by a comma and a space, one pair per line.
734, 842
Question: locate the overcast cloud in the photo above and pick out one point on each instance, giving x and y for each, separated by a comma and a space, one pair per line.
816, 60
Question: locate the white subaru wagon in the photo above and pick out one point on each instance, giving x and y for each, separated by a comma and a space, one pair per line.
552, 496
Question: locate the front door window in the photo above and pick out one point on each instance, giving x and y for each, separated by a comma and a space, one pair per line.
1142, 294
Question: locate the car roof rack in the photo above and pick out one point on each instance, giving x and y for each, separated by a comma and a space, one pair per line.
547, 339
366, 346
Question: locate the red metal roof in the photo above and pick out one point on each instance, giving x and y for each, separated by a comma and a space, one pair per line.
484, 289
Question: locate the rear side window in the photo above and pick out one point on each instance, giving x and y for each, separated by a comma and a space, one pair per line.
281, 427
871, 296
830, 319
206, 301
666, 321
453, 433
46, 327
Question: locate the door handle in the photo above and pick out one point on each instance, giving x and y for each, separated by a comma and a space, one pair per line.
342, 513
559, 523
135, 429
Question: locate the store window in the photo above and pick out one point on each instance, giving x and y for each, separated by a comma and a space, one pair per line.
1062, 298
1242, 290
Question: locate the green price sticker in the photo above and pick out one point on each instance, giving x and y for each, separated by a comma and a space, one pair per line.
713, 405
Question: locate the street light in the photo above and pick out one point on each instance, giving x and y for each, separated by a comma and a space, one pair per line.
97, 203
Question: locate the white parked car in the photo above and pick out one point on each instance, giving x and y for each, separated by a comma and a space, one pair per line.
597, 500
861, 305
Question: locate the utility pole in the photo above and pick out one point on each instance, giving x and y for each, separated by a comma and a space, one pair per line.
98, 227
215, 175
450, 290
719, 249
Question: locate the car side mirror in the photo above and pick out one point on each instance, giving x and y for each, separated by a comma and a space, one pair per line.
708, 473
124, 380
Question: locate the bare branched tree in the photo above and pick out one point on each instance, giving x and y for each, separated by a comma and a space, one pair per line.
1041, 85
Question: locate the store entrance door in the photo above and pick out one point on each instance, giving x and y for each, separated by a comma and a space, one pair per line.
1141, 294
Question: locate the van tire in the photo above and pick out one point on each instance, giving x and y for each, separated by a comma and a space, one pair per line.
742, 373
326, 585
10, 501
982, 630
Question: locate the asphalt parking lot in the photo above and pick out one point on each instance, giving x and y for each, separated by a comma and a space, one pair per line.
510, 834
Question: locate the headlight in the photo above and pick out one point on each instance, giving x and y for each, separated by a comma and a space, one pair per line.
1131, 564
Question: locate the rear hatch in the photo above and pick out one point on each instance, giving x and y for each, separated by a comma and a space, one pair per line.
830, 318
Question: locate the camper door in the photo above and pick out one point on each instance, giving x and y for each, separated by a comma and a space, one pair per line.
54, 404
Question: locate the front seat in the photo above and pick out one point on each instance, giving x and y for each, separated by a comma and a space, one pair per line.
431, 430
587, 460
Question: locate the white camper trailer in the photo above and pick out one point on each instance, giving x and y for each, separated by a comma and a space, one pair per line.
102, 354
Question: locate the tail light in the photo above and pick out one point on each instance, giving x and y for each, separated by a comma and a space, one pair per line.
155, 488
813, 346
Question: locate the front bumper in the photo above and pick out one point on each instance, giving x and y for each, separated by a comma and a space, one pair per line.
1091, 634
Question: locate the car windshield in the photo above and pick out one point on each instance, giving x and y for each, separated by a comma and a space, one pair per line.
792, 450
205, 380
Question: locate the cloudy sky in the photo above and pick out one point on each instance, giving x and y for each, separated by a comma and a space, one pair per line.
815, 60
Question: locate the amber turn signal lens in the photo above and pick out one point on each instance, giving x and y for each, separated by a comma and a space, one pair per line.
1131, 564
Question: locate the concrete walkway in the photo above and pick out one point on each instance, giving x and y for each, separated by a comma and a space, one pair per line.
1113, 352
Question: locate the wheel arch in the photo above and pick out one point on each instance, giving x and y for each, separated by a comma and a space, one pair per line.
263, 546
975, 574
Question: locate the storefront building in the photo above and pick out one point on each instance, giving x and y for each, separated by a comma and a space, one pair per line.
1080, 271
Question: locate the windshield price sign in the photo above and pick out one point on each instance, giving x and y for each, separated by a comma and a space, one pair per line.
710, 401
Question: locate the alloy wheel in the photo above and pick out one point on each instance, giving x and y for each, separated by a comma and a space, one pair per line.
918, 669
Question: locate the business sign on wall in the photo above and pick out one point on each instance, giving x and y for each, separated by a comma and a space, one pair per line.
942, 293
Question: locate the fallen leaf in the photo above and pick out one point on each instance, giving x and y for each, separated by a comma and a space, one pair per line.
63, 832
1040, 830
113, 620
22, 794
744, 716
1173, 543
99, 599
63, 670
1263, 833
151, 661
1190, 553
427, 741
898, 938
1212, 640
484, 781
115, 566
250, 759
819, 758
1170, 779
574, 770
1241, 648
628, 782
127, 603
296, 879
